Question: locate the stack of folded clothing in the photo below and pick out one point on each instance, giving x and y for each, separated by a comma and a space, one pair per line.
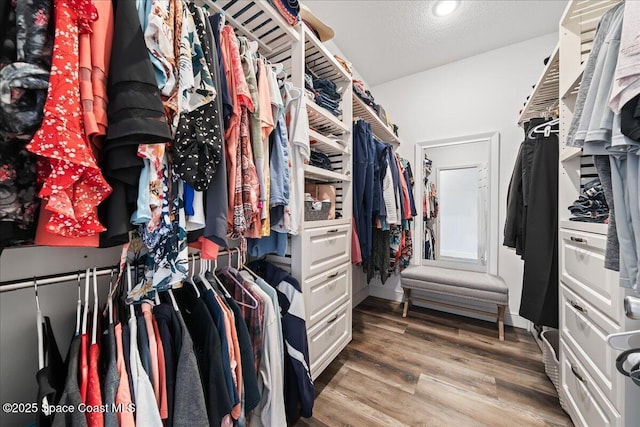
325, 94
591, 206
364, 94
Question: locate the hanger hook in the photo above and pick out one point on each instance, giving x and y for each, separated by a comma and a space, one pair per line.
35, 287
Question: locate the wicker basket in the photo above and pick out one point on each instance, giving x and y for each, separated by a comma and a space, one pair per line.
312, 213
550, 350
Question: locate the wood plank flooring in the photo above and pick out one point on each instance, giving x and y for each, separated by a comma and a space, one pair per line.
434, 369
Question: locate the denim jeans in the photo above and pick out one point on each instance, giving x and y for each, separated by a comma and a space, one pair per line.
363, 151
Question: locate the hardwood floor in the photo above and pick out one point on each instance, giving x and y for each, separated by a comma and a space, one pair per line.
434, 369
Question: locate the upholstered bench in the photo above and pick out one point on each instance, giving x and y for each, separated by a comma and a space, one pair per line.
460, 284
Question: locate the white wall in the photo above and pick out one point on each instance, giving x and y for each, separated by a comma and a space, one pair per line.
479, 94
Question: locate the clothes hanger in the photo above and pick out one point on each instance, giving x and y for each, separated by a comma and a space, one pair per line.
201, 275
228, 272
85, 314
173, 299
110, 299
39, 321
544, 128
190, 278
247, 269
78, 306
41, 349
132, 313
94, 331
253, 46
220, 286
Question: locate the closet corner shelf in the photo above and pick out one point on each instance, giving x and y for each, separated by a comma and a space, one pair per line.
320, 60
325, 144
380, 130
546, 93
589, 227
319, 174
258, 21
574, 87
569, 153
326, 223
322, 121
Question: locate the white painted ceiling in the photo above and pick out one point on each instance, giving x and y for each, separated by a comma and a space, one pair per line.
386, 40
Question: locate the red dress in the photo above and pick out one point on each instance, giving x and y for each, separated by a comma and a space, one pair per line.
73, 185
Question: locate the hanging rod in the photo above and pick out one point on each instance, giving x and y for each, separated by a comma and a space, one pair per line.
51, 279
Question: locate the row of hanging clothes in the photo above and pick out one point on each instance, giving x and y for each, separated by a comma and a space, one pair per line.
227, 348
199, 140
606, 125
383, 205
430, 210
531, 226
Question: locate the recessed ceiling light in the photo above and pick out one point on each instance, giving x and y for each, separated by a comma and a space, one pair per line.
444, 7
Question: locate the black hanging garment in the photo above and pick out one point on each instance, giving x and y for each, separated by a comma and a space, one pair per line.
50, 378
539, 301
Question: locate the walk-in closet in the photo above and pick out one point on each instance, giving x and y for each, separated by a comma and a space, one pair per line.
318, 213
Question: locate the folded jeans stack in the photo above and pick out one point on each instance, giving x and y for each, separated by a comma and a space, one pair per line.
591, 206
327, 95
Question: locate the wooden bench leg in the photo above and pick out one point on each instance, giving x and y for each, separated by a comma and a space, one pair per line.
407, 301
501, 309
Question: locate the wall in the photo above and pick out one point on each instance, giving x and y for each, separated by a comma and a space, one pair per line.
479, 94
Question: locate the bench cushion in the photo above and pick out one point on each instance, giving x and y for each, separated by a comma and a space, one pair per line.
459, 283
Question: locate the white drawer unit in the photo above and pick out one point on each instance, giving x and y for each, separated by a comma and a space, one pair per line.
328, 337
582, 261
585, 330
586, 404
325, 247
326, 292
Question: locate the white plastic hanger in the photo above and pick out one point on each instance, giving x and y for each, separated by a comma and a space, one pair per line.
39, 321
78, 306
94, 332
173, 300
203, 269
244, 290
253, 46
220, 285
85, 314
190, 278
110, 300
131, 311
544, 128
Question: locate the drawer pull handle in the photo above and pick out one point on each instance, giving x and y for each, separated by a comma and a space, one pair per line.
578, 239
577, 375
331, 276
333, 230
333, 319
578, 307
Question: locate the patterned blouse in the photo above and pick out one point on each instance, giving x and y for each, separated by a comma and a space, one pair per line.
73, 185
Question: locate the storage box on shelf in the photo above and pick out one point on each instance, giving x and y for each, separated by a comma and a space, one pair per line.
591, 300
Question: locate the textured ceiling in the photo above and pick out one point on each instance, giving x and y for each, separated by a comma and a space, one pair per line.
386, 40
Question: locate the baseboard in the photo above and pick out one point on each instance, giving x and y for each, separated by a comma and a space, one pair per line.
392, 294
360, 296
385, 292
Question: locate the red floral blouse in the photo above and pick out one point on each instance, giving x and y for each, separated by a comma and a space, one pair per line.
73, 185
